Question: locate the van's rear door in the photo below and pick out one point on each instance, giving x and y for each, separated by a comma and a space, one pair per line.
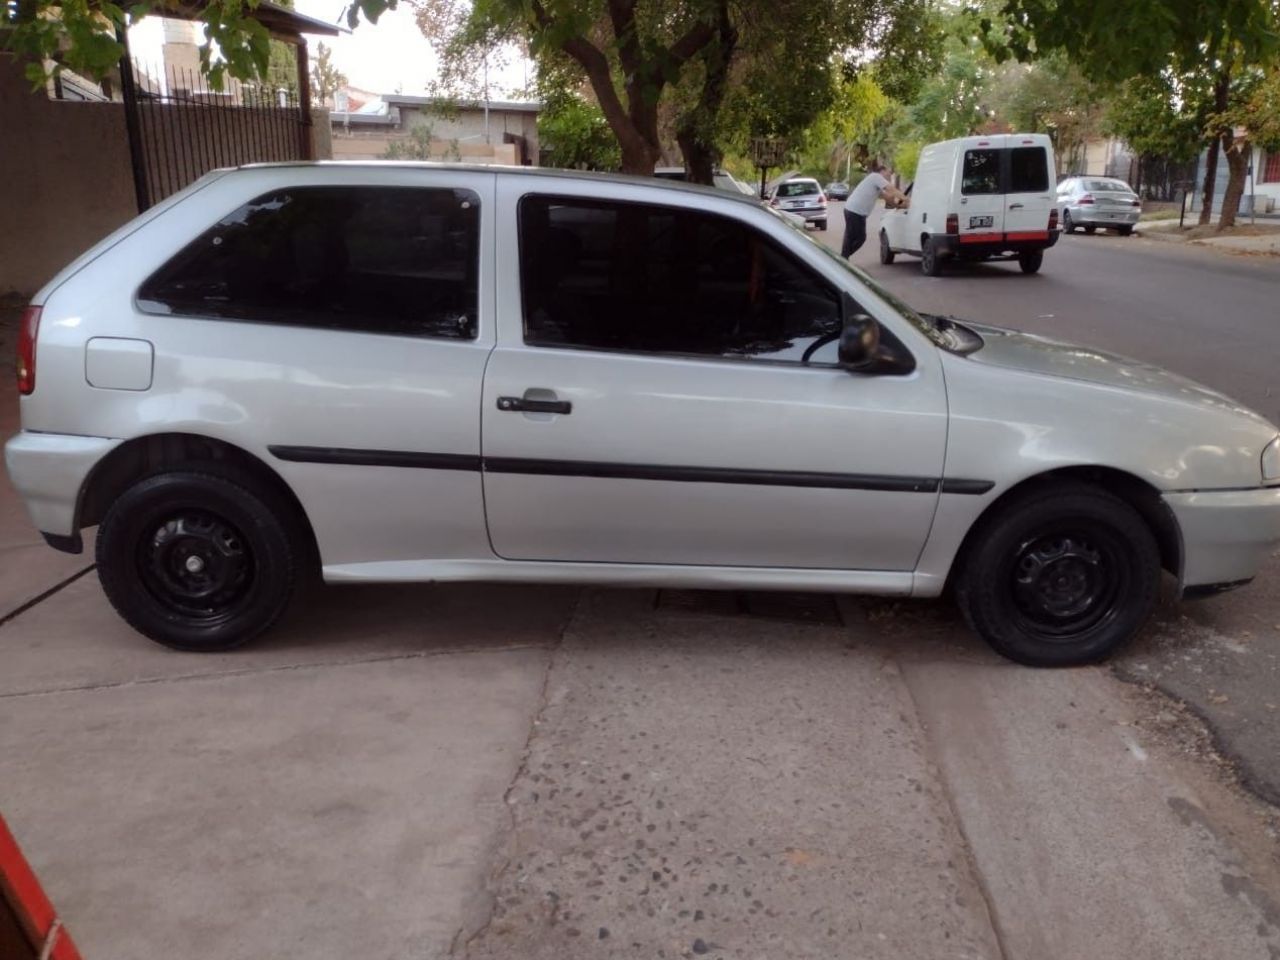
1030, 189
982, 203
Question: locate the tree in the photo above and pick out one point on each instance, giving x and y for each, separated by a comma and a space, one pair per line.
1221, 44
82, 35
1158, 118
715, 71
326, 79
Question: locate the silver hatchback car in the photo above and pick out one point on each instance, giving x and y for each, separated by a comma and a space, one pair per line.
415, 372
1091, 202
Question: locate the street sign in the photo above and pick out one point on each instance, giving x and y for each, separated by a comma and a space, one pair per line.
768, 151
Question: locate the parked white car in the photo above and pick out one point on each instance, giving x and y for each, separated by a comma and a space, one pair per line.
1093, 202
977, 198
393, 372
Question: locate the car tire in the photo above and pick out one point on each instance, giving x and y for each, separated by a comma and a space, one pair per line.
886, 252
1062, 575
200, 557
1126, 231
1067, 225
1090, 229
930, 262
1030, 260
821, 224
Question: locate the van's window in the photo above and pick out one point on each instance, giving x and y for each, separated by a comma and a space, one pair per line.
1028, 170
981, 172
798, 188
397, 260
653, 279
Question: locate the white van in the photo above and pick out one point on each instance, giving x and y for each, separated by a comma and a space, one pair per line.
977, 198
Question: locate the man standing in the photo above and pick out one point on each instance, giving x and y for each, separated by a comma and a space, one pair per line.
860, 204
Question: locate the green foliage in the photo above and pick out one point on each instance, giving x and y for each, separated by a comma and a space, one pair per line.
1156, 118
417, 146
906, 157
326, 79
81, 35
1258, 111
575, 135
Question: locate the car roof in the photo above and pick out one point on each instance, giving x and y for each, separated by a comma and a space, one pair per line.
542, 173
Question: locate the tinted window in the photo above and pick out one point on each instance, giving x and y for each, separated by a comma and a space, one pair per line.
981, 172
636, 277
1028, 170
1109, 186
797, 188
397, 260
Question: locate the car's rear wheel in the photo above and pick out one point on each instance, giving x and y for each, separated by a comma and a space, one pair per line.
822, 224
1090, 229
1067, 225
1126, 230
1061, 576
1030, 260
930, 262
886, 252
199, 558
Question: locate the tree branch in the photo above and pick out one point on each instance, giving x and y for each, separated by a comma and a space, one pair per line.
622, 14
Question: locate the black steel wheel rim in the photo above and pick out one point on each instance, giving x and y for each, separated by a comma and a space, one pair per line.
197, 565
1067, 582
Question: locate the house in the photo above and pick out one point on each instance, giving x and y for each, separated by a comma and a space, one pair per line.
1261, 192
435, 128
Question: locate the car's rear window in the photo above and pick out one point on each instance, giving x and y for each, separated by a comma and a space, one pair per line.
397, 260
1028, 170
1108, 186
798, 188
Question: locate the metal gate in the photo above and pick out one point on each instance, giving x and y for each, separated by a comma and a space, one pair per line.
180, 128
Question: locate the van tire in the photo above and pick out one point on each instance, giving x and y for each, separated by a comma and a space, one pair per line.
930, 263
886, 252
199, 557
1062, 575
1030, 260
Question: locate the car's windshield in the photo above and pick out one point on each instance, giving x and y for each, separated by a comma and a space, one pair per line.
797, 188
942, 331
1109, 186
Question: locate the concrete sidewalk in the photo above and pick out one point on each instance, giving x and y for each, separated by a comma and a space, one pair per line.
1267, 244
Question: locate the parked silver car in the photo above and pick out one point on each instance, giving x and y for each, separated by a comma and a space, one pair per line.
1093, 202
803, 197
395, 372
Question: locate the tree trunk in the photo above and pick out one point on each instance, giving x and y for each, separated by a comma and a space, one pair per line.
1221, 93
695, 130
1238, 171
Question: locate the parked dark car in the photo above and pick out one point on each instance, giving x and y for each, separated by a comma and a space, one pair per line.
837, 190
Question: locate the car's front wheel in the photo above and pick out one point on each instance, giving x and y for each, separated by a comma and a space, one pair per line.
198, 558
1062, 575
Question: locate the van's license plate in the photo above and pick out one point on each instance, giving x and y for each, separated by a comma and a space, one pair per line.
979, 222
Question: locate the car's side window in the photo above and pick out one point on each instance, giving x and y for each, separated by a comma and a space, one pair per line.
645, 278
395, 260
981, 172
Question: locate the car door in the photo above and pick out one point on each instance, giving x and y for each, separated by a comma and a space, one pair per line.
982, 202
1029, 198
647, 400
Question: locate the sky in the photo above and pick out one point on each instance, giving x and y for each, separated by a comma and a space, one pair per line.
387, 57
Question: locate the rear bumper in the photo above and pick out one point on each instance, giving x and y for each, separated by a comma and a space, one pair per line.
1095, 218
964, 247
809, 213
1226, 534
49, 470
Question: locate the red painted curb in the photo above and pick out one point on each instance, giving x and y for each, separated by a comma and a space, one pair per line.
20, 889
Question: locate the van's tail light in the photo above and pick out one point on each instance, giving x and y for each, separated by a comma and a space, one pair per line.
1086, 200
953, 223
1053, 219
27, 330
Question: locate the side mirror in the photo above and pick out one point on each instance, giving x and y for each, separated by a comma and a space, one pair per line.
859, 341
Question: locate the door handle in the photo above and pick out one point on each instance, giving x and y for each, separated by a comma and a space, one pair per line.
1015, 206
523, 405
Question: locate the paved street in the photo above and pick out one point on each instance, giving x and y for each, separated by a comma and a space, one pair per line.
1212, 316
527, 773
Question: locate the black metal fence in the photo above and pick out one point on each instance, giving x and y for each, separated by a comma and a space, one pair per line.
184, 128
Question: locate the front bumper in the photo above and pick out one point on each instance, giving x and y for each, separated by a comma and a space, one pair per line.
1226, 534
49, 470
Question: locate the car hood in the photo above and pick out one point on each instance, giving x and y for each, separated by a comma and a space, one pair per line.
1068, 361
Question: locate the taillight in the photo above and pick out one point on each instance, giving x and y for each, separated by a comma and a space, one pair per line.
1086, 200
953, 223
1135, 203
822, 199
1053, 219
27, 330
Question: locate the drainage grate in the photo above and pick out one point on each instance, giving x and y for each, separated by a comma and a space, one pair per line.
799, 607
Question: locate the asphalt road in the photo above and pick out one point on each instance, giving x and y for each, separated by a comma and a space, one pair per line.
1211, 316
